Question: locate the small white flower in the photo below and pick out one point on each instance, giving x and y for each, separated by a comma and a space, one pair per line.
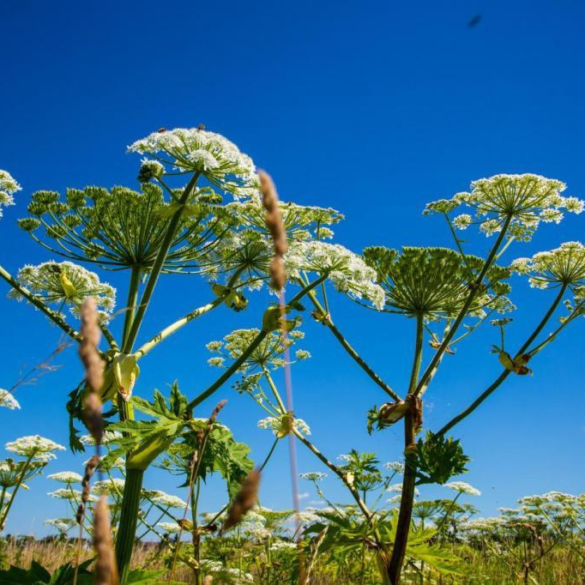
214, 156
395, 466
34, 446
8, 186
274, 424
166, 500
61, 524
109, 487
170, 527
313, 476
66, 477
8, 401
463, 488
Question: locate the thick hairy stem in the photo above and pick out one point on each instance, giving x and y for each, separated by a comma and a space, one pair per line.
411, 423
128, 522
406, 502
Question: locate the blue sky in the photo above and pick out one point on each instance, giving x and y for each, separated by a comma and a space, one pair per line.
371, 108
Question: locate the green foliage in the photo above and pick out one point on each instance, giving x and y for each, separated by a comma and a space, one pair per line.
143, 441
222, 454
438, 459
38, 575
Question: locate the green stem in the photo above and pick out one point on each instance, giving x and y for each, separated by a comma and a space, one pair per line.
131, 302
366, 512
352, 352
174, 327
500, 379
463, 313
128, 522
53, 315
448, 513
248, 351
158, 265
16, 488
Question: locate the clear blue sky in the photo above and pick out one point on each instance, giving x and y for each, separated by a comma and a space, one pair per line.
369, 107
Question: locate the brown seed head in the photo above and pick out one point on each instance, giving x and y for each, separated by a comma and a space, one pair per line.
94, 368
244, 500
276, 229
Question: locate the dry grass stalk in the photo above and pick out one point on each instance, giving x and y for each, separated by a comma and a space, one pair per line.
105, 565
86, 487
195, 464
276, 228
244, 501
94, 368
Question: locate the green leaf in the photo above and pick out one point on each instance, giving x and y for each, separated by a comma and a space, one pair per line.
437, 459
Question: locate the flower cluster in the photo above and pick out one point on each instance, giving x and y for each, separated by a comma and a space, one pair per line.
269, 354
122, 228
170, 527
66, 283
463, 488
301, 222
275, 425
435, 282
313, 476
34, 447
63, 525
347, 271
7, 400
563, 265
8, 186
524, 201
163, 499
67, 477
207, 153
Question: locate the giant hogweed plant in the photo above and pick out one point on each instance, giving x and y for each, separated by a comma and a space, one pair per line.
156, 230
197, 212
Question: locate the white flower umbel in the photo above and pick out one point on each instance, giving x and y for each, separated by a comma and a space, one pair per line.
397, 489
169, 527
67, 477
8, 186
34, 446
69, 494
109, 487
313, 476
527, 200
347, 271
463, 488
199, 151
66, 283
8, 401
395, 466
563, 265
109, 437
165, 500
61, 524
275, 425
